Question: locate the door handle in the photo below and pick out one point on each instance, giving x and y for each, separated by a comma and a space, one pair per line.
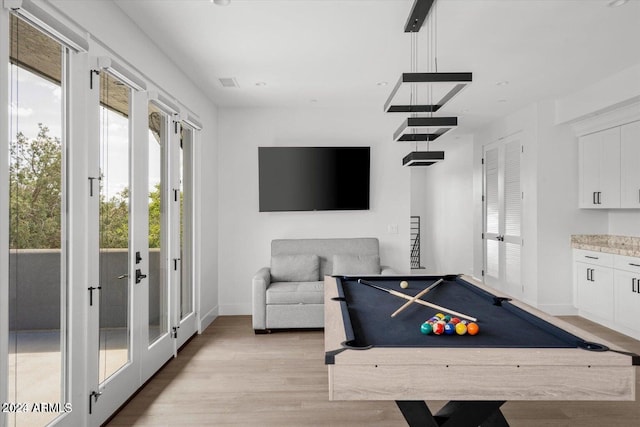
140, 276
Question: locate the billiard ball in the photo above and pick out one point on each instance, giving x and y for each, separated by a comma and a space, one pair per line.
439, 315
438, 328
472, 328
447, 318
461, 328
404, 284
426, 328
449, 328
455, 320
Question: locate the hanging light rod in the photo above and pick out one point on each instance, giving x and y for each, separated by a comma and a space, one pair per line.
418, 15
459, 81
422, 158
424, 128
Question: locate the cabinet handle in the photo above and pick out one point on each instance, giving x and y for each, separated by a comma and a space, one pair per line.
635, 265
594, 198
599, 194
594, 257
633, 285
590, 274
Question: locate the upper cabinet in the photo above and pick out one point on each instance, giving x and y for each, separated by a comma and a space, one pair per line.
630, 165
610, 168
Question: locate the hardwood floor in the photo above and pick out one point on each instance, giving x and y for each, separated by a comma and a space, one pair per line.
230, 377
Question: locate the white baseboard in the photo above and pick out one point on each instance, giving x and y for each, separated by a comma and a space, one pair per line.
208, 319
559, 309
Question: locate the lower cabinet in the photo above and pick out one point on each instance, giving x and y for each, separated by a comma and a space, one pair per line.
627, 298
608, 290
595, 290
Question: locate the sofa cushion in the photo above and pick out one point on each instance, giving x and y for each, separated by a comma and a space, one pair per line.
356, 264
295, 268
295, 293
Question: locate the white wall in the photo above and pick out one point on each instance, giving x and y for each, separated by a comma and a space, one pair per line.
624, 222
447, 218
246, 234
108, 24
558, 216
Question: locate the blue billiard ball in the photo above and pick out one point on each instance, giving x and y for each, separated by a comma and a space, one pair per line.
450, 328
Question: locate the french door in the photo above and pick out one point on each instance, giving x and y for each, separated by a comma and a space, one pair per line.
142, 303
114, 237
503, 215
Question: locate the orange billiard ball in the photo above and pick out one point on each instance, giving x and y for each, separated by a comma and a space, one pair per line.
472, 328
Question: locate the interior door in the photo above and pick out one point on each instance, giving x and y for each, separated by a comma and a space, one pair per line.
503, 215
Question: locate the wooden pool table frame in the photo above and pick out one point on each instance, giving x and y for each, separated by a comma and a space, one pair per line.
480, 374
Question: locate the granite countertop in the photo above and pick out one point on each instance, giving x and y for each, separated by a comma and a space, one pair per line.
619, 245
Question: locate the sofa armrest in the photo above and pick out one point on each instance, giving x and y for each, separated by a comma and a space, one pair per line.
259, 284
388, 271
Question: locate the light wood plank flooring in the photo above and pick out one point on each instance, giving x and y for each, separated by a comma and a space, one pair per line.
230, 377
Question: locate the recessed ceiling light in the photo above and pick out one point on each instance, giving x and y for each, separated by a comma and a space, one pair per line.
313, 101
382, 83
616, 3
261, 84
502, 100
502, 83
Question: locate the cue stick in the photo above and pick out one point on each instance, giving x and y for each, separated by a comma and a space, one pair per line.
412, 300
419, 301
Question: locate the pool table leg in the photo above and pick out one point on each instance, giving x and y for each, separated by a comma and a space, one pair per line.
416, 413
454, 414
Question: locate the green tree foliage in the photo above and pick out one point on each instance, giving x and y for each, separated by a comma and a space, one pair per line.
35, 191
36, 199
114, 220
154, 217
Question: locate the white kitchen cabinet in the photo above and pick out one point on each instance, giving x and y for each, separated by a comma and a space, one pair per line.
630, 165
594, 281
600, 169
607, 289
627, 293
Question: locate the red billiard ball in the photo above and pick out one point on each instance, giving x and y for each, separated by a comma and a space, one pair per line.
438, 328
455, 320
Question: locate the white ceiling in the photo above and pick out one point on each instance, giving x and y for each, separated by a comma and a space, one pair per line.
330, 53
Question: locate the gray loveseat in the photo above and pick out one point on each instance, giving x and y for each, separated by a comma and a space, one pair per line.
290, 293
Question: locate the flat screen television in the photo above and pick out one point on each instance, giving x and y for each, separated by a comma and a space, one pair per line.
313, 178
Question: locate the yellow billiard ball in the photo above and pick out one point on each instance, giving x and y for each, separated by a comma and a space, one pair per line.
404, 284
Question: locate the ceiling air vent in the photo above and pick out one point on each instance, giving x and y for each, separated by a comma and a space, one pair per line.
228, 82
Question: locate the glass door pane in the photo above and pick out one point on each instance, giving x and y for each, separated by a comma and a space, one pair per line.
115, 283
158, 283
37, 197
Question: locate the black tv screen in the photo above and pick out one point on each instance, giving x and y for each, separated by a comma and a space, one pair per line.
313, 178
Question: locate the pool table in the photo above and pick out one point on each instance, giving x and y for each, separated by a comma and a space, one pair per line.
519, 353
